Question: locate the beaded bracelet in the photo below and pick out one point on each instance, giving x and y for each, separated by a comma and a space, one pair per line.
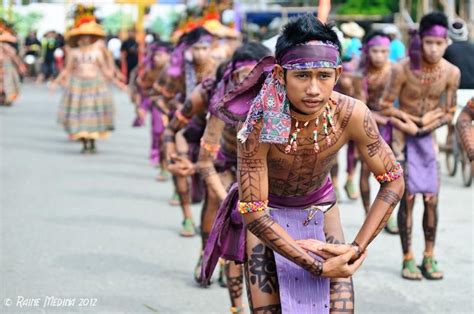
392, 175
252, 207
212, 148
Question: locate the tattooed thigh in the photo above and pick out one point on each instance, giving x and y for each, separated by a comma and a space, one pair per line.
261, 277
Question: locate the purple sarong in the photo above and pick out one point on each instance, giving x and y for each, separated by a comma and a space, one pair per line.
421, 165
300, 292
386, 132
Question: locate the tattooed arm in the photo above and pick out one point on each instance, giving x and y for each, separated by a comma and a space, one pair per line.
380, 159
194, 104
465, 130
211, 139
252, 176
392, 91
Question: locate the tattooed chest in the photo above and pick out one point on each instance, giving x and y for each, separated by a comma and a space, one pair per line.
418, 100
298, 174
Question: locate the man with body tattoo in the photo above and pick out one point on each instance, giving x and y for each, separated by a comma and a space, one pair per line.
186, 151
420, 82
156, 60
375, 68
465, 130
217, 161
294, 124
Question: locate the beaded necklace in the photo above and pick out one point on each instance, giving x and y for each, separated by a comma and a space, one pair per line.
327, 124
430, 75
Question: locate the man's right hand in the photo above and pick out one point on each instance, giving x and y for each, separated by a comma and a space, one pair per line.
337, 257
339, 267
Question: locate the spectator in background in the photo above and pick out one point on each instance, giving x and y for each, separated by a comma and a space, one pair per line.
114, 45
397, 48
32, 51
460, 53
129, 54
48, 46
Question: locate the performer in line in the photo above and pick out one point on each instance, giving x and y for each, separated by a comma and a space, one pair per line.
419, 83
465, 130
87, 110
288, 141
10, 66
218, 160
376, 69
191, 72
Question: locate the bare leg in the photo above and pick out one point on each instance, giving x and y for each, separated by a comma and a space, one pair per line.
341, 289
235, 280
405, 223
182, 187
430, 224
261, 277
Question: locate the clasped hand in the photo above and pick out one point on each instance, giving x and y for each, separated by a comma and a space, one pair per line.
340, 260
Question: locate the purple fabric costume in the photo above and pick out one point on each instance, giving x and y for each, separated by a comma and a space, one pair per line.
421, 165
300, 292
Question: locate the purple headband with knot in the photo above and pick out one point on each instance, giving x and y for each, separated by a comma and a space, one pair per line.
312, 55
225, 84
177, 57
414, 50
261, 95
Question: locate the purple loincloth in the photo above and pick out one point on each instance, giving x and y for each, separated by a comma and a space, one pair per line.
224, 161
421, 165
306, 294
386, 132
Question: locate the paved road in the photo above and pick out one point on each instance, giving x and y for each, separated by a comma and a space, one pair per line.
99, 227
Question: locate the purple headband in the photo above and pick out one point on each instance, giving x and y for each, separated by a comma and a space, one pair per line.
414, 50
378, 41
225, 85
436, 31
204, 40
261, 96
315, 54
177, 57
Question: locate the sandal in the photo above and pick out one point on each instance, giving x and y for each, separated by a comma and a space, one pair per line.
429, 269
410, 271
350, 190
188, 229
222, 277
391, 226
163, 176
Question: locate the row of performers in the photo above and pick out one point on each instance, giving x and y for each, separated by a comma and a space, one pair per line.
256, 136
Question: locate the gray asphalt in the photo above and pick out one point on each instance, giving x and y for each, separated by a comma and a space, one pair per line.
98, 229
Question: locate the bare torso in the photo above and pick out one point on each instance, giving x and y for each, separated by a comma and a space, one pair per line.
303, 171
417, 98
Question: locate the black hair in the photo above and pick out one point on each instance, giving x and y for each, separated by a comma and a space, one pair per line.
371, 35
303, 29
250, 51
432, 19
193, 36
220, 72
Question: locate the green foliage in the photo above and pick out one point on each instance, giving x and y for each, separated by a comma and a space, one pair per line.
23, 23
368, 7
164, 26
113, 23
